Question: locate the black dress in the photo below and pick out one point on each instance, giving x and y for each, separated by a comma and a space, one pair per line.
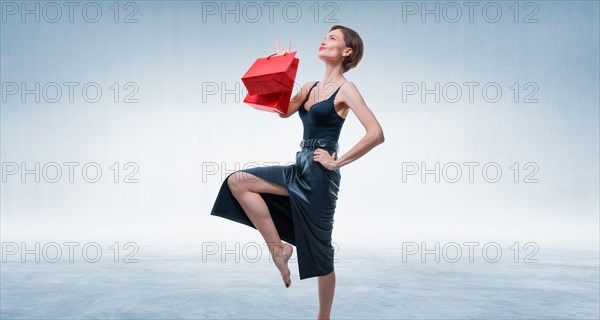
305, 217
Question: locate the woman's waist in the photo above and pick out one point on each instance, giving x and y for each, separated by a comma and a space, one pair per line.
311, 144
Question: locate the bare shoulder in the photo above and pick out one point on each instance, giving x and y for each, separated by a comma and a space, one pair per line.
304, 88
350, 95
349, 88
350, 83
303, 94
308, 85
298, 98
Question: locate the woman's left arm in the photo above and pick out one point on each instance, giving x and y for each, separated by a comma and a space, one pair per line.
374, 133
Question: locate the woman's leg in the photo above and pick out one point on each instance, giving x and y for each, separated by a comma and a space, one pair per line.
246, 187
326, 291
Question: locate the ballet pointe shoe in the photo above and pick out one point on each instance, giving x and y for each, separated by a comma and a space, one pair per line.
282, 252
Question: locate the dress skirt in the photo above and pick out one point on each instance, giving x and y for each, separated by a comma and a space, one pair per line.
305, 217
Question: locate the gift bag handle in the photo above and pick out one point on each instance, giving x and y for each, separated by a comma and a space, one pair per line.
275, 54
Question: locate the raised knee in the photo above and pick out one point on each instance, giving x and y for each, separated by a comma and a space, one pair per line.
232, 181
236, 181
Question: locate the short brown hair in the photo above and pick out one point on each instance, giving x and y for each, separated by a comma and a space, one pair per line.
353, 41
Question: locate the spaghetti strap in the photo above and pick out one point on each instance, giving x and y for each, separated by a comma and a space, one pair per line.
309, 91
338, 89
308, 95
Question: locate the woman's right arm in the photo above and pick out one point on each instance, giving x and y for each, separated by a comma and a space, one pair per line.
297, 100
299, 97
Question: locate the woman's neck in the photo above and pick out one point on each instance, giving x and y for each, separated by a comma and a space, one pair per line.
333, 74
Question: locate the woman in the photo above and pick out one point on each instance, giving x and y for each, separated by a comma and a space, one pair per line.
296, 203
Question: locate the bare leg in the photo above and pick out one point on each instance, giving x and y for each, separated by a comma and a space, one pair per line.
326, 291
245, 188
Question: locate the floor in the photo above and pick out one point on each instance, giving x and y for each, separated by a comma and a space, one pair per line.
175, 283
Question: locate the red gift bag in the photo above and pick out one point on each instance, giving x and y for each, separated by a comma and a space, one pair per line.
272, 102
270, 81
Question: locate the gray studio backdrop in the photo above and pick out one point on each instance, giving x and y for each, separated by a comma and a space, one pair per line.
133, 114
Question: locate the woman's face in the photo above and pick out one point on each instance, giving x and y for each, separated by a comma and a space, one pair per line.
333, 46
